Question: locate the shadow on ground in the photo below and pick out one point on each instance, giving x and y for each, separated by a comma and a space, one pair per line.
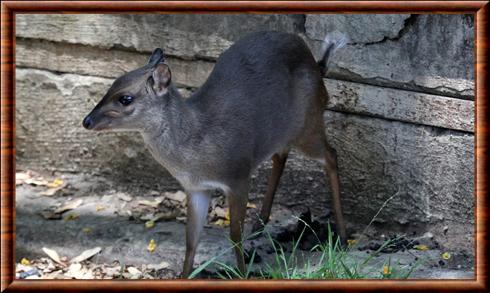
125, 239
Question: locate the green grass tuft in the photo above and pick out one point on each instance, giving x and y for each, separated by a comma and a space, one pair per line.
334, 263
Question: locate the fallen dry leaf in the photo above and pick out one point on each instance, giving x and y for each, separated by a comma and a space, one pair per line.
351, 242
165, 216
86, 255
36, 181
147, 217
153, 204
50, 215
111, 271
222, 222
77, 271
99, 208
221, 212
135, 273
69, 206
157, 267
52, 191
251, 205
178, 196
216, 201
25, 261
149, 224
72, 217
87, 230
21, 177
53, 255
107, 198
124, 196
46, 268
386, 270
74, 268
53, 275
446, 255
152, 245
421, 247
56, 183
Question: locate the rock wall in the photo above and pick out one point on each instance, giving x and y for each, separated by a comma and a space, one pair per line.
401, 113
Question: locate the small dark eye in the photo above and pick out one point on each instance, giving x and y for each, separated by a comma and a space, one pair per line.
126, 100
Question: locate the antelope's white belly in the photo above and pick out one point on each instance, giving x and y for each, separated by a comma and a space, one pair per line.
194, 183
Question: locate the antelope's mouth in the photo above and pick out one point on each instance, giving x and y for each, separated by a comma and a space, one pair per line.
102, 126
113, 114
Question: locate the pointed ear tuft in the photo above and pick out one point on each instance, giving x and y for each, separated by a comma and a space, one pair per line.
161, 79
156, 57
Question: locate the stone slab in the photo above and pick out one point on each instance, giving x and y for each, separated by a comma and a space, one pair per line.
406, 106
431, 53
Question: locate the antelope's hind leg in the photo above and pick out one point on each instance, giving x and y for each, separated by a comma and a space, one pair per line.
331, 168
278, 163
317, 147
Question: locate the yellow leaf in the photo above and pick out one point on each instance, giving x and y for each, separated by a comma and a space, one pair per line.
87, 230
227, 216
56, 183
152, 245
351, 242
99, 208
25, 261
446, 255
251, 205
386, 270
149, 224
72, 217
222, 223
421, 247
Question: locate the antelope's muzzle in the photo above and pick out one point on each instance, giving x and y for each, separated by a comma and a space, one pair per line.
88, 123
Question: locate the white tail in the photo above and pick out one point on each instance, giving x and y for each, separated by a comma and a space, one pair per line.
332, 42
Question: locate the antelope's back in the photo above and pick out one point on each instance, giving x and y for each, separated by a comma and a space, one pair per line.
259, 91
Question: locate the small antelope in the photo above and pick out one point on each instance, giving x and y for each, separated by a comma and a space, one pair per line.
264, 96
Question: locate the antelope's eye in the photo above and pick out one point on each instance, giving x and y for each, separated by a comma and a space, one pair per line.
126, 100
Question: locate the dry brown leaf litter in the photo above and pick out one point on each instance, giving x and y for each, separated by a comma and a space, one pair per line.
148, 210
80, 267
46, 268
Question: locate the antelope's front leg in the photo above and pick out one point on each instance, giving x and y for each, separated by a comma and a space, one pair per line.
197, 211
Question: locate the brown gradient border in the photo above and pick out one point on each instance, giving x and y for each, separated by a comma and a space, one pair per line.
7, 210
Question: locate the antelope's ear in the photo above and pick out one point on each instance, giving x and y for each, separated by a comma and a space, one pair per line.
156, 57
161, 78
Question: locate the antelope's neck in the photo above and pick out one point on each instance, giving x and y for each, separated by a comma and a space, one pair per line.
172, 134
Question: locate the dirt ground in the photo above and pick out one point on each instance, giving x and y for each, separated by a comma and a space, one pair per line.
120, 230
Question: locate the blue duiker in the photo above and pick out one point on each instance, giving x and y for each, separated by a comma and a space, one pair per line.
264, 96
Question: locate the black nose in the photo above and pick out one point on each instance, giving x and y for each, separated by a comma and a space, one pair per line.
87, 122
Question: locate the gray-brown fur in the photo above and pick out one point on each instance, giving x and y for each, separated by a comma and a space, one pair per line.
264, 96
